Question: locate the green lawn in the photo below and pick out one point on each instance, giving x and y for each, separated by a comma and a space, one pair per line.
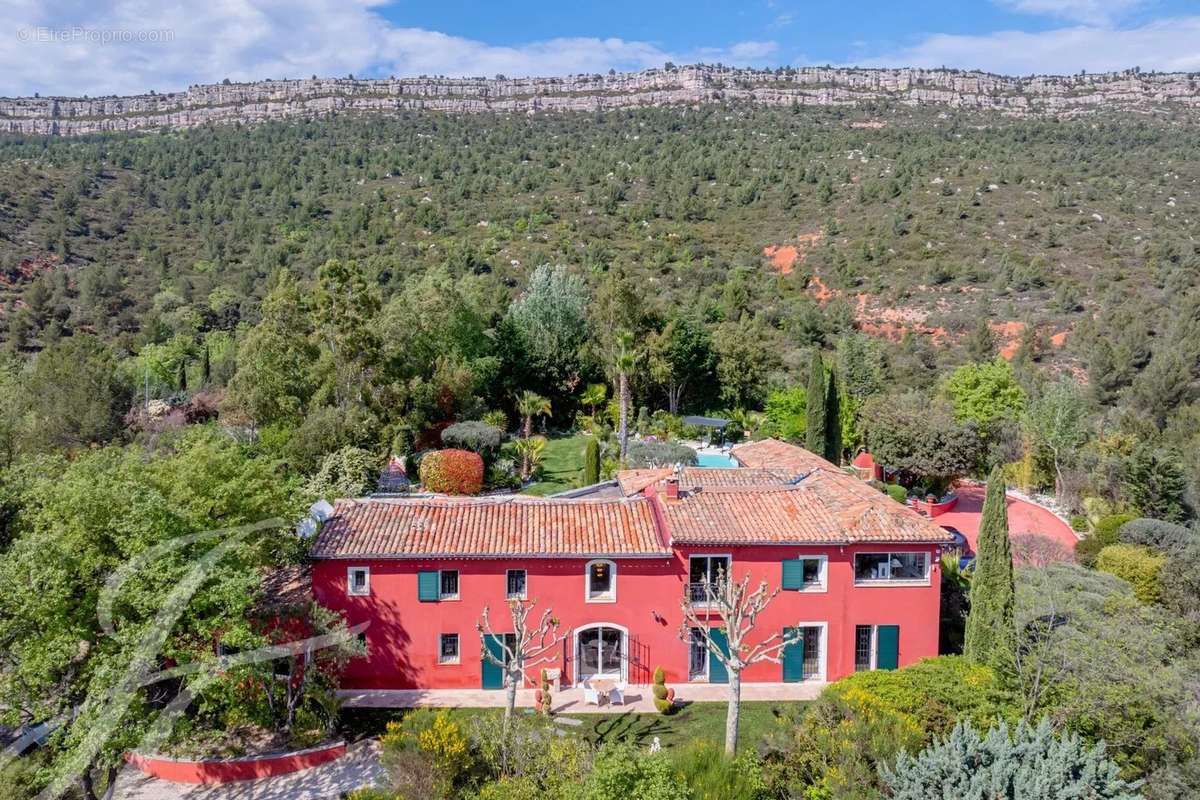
693, 721
562, 465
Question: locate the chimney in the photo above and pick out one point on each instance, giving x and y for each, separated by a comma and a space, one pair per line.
673, 487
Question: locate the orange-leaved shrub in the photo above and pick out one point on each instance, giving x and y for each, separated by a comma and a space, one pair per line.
452, 472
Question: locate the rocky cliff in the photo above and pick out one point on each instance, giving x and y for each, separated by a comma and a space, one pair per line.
809, 86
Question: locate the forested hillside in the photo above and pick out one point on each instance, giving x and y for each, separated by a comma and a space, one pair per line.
213, 327
770, 230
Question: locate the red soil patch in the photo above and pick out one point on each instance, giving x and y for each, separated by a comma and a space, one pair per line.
784, 257
27, 270
1009, 334
1059, 339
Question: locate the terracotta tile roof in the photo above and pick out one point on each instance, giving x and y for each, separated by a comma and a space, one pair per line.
489, 527
825, 506
634, 481
773, 454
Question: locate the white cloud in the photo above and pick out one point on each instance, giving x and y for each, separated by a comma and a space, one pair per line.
1090, 11
1168, 45
254, 39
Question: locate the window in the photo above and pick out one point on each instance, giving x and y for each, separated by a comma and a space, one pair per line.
864, 647
805, 574
448, 648
515, 584
601, 582
891, 567
358, 581
448, 584
704, 574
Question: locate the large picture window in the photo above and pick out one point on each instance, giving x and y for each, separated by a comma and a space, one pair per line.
705, 574
891, 567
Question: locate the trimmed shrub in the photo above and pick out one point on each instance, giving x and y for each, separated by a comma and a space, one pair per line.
664, 698
478, 437
1138, 566
1104, 534
591, 462
1079, 523
897, 493
1157, 534
452, 472
544, 697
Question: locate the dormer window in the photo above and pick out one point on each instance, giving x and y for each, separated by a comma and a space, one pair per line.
601, 581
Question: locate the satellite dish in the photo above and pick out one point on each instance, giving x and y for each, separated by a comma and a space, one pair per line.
321, 510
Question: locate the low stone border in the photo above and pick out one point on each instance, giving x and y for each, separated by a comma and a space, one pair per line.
228, 770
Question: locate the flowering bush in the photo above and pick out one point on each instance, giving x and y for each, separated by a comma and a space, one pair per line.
452, 472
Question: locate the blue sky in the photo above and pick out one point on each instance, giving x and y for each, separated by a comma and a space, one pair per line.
130, 46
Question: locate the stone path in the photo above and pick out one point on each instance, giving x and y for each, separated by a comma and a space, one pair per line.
359, 767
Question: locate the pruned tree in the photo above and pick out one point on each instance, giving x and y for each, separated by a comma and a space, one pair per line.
739, 607
532, 645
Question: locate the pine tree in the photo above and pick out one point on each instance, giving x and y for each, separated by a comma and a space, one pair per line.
816, 417
981, 343
833, 421
991, 633
591, 462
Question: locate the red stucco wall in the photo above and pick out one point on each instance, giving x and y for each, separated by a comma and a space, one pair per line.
403, 637
237, 769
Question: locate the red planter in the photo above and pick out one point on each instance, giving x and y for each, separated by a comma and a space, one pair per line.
234, 769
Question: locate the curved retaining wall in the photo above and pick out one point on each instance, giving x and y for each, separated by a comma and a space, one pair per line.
935, 509
234, 769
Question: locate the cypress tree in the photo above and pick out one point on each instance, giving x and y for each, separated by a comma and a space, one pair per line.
591, 462
815, 417
181, 377
205, 368
991, 633
833, 421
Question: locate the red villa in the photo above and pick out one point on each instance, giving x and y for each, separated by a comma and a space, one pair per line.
858, 572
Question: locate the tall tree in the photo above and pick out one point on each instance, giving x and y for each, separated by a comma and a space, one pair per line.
533, 643
738, 608
682, 361
181, 376
816, 426
1057, 420
624, 366
833, 421
205, 368
991, 636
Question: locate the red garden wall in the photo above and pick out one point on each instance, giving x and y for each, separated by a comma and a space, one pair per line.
234, 769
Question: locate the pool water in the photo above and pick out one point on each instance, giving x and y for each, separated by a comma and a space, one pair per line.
715, 460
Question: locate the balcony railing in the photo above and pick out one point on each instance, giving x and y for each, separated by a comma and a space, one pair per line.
701, 594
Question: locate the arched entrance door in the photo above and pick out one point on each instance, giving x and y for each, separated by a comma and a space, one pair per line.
600, 652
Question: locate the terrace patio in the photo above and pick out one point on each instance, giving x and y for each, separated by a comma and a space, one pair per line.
638, 698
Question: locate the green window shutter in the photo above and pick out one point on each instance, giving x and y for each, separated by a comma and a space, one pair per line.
793, 658
888, 654
716, 670
493, 673
793, 573
427, 586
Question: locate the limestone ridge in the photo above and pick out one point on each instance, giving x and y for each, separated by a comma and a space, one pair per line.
807, 86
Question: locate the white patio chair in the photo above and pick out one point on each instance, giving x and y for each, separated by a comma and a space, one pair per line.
616, 695
590, 695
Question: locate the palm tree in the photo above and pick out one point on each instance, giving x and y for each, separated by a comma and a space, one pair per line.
625, 359
530, 405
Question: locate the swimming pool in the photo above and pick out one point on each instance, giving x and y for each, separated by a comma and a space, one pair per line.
715, 460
